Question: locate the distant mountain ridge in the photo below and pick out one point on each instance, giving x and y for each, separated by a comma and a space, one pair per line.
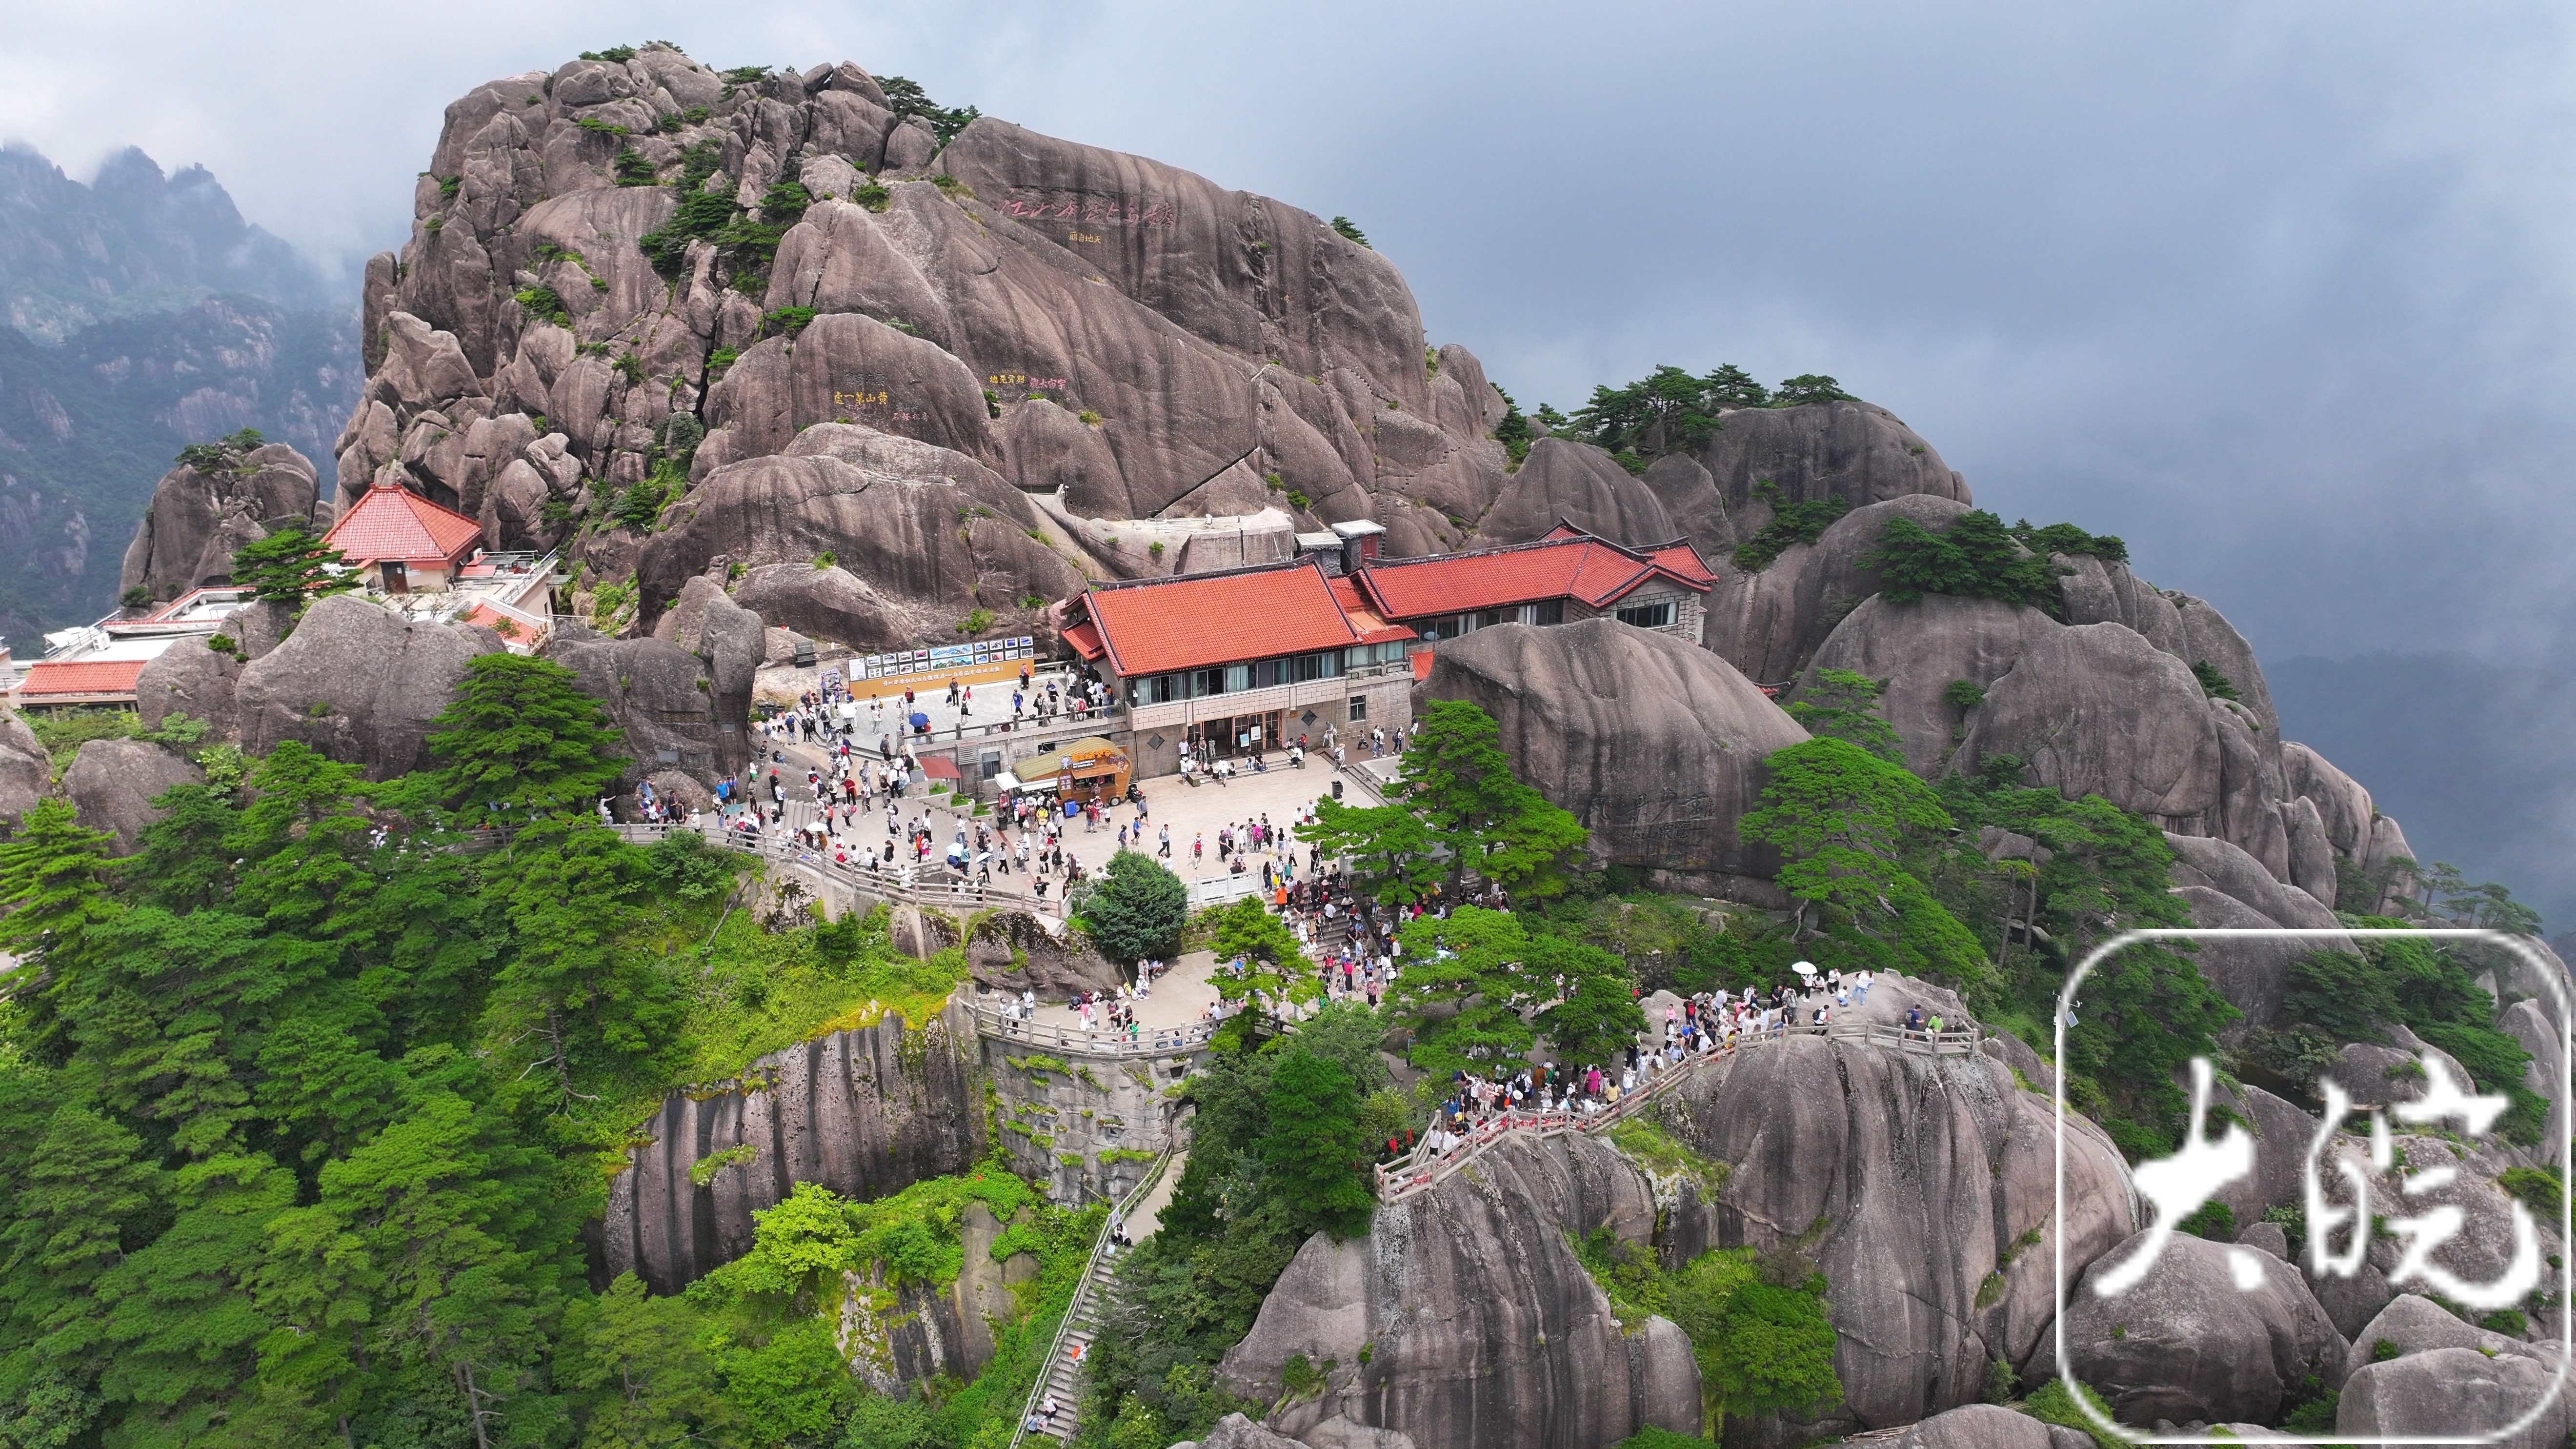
143, 314
132, 241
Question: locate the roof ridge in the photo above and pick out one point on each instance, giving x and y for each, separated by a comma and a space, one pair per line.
1103, 586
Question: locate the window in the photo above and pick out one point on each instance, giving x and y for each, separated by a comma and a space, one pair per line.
1238, 678
1359, 709
1657, 615
1545, 611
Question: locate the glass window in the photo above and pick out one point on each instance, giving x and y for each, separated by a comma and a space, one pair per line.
1648, 616
1238, 678
1265, 672
1546, 611
1359, 709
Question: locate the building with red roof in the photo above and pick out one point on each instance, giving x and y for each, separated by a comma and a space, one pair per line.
1238, 659
1566, 576
401, 541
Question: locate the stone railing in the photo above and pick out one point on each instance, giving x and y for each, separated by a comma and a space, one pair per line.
918, 888
1000, 1024
1423, 1168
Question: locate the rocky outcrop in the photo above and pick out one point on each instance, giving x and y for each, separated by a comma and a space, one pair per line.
1122, 334
1768, 622
2094, 709
681, 698
358, 684
2192, 1341
1012, 951
1983, 1426
1656, 746
112, 784
1562, 482
196, 519
2459, 1391
1932, 1182
864, 1112
1856, 451
1481, 1329
25, 769
2414, 1324
193, 678
1921, 649
935, 534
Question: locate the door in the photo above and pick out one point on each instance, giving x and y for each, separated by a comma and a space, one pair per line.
397, 581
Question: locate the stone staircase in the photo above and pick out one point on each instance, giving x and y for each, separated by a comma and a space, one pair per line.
1062, 1379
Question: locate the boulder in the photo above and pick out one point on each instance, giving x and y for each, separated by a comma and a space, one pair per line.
2343, 806
864, 1112
844, 367
25, 769
2187, 1342
193, 679
1983, 1426
661, 698
1856, 451
2098, 591
2208, 638
2094, 709
1483, 1331
826, 603
196, 520
357, 683
1237, 1432
2312, 862
1012, 951
2447, 1392
2413, 1324
1563, 482
2225, 867
112, 784
934, 532
1921, 649
1768, 622
2389, 859
1656, 746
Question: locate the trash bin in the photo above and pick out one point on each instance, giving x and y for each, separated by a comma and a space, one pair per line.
1337, 789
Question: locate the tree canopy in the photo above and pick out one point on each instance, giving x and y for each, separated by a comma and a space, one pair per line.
1457, 810
291, 566
1135, 907
521, 735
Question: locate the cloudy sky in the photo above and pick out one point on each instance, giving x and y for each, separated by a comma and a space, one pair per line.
2274, 290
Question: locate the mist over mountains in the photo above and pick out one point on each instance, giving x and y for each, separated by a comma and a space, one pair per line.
143, 314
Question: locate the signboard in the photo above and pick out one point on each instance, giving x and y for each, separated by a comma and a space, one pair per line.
940, 658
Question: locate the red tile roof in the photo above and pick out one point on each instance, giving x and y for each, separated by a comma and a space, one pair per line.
1564, 565
1196, 620
1363, 614
1085, 640
398, 524
73, 676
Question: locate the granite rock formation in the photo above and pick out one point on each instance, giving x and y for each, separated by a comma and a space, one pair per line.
193, 678
112, 784
25, 769
1656, 746
1933, 1180
1472, 1344
196, 520
357, 683
2190, 1342
864, 1112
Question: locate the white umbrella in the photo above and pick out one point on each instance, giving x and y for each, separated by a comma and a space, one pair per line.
1805, 968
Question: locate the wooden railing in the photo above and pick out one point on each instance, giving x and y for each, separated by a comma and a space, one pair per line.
1423, 1169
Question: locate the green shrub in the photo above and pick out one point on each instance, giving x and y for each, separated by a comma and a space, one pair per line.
1975, 557
2066, 538
1963, 694
1803, 521
2507, 1321
2383, 1350
1297, 499
1350, 230
950, 187
2050, 1403
2215, 1221
975, 622
615, 54
1088, 418
545, 304
597, 126
785, 321
2213, 683
2538, 1188
873, 195
1810, 387
826, 559
743, 75
137, 597
632, 168
630, 367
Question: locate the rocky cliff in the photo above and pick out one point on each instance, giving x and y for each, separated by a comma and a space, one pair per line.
679, 274
1464, 1320
864, 1112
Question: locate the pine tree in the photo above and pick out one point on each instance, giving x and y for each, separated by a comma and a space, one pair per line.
291, 566
520, 733
1313, 1148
